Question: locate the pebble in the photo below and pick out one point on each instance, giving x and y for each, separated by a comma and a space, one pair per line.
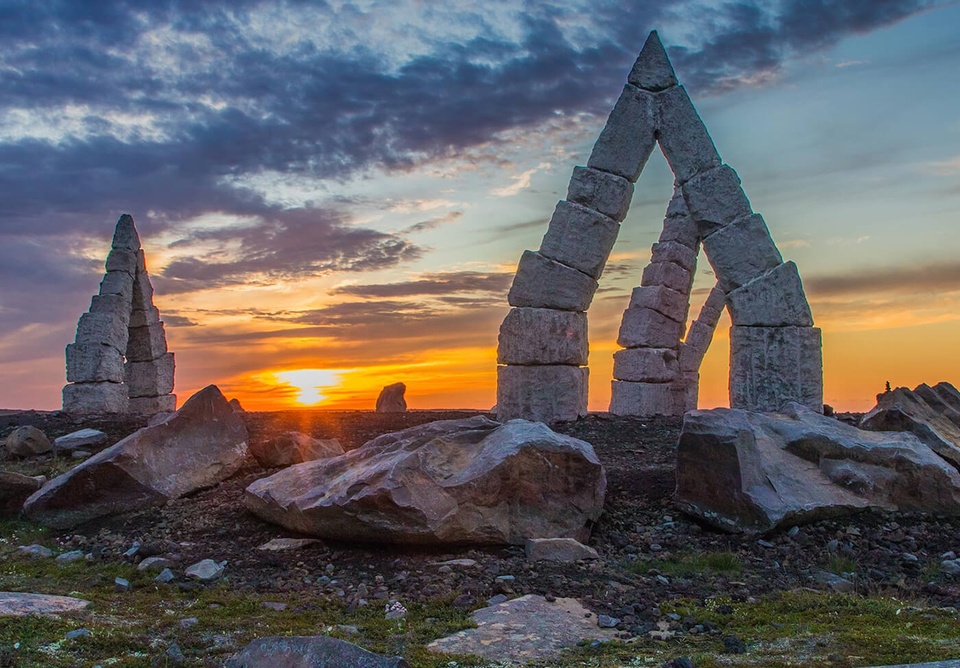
175, 655
495, 600
120, 584
166, 576
35, 550
206, 570
607, 622
77, 633
67, 557
951, 566
765, 543
187, 622
274, 605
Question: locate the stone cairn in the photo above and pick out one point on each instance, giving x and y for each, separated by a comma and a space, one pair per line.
119, 361
542, 353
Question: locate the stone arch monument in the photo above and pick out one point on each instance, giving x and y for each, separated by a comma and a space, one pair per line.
119, 362
775, 351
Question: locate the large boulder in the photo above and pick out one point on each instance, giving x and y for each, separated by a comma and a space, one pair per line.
469, 481
932, 414
15, 488
309, 652
391, 399
198, 446
27, 441
753, 472
293, 447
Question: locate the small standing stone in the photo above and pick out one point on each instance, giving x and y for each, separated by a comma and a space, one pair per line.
391, 399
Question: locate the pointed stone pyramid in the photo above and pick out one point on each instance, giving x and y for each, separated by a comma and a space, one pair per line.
775, 350
119, 361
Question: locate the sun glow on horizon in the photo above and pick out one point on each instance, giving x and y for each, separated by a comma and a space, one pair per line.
309, 383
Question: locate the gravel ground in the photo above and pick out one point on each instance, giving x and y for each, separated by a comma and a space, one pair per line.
641, 536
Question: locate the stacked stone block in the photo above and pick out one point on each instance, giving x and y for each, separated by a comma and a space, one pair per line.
119, 361
647, 379
657, 373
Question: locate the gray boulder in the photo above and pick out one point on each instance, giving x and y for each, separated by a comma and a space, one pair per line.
929, 413
391, 399
27, 441
309, 652
15, 488
469, 481
80, 439
293, 447
198, 446
753, 472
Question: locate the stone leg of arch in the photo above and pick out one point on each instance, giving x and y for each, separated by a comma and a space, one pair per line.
770, 366
647, 376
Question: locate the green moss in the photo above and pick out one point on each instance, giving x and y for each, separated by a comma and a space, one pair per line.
840, 564
691, 564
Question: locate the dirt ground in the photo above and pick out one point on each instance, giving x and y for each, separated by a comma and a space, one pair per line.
649, 550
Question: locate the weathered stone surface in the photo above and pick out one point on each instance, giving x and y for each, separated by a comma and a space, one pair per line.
775, 299
14, 490
309, 652
391, 399
205, 570
644, 327
558, 549
146, 343
646, 399
580, 238
144, 317
770, 366
101, 328
751, 472
695, 345
95, 398
942, 398
117, 283
919, 413
93, 362
453, 481
715, 199
120, 259
678, 225
18, 604
150, 379
141, 297
283, 544
125, 234
543, 283
628, 138
676, 252
543, 336
27, 441
662, 299
198, 446
293, 447
652, 69
549, 393
116, 306
741, 251
716, 301
538, 630
669, 275
647, 365
235, 405
683, 138
79, 439
166, 403
601, 191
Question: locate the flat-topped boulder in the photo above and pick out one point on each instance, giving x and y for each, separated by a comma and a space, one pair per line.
754, 472
469, 481
200, 445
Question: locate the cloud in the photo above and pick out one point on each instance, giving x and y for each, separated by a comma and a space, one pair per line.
435, 284
930, 278
944, 167
520, 182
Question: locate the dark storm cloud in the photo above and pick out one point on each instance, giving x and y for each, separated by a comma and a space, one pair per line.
319, 113
744, 41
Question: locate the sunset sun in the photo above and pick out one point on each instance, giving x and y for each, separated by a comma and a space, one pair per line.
309, 383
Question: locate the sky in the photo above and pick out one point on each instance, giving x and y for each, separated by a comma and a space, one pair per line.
333, 196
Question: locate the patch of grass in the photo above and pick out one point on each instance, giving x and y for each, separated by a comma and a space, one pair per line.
692, 564
839, 564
